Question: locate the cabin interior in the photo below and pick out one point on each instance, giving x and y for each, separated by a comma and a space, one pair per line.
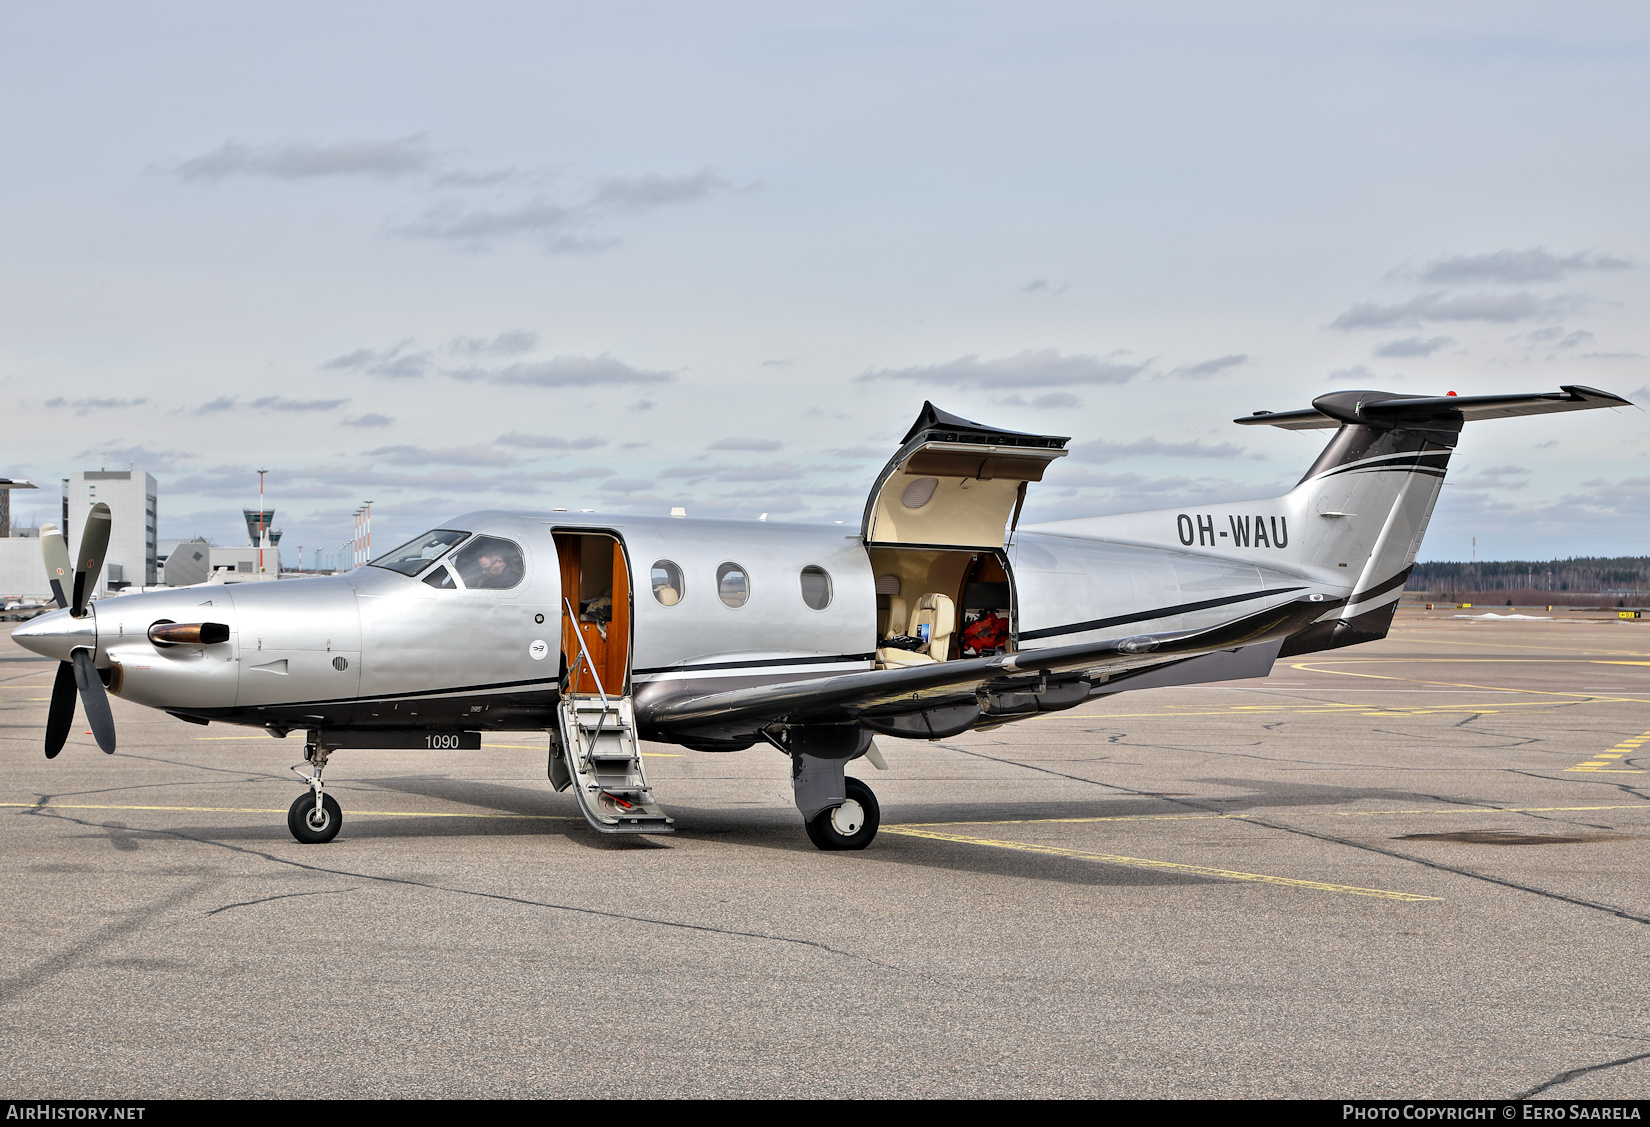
939, 604
593, 565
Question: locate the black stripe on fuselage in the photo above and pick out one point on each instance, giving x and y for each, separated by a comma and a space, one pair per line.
1148, 615
457, 690
838, 659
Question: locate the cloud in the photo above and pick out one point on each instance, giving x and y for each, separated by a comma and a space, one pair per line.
460, 480
394, 362
859, 452
512, 343
371, 419
770, 471
745, 444
565, 371
1041, 367
278, 403
1412, 346
297, 160
626, 484
1494, 477
1210, 367
1100, 450
138, 457
641, 193
268, 403
1051, 399
548, 441
1440, 306
95, 403
1555, 337
476, 455
1359, 372
1516, 267
562, 227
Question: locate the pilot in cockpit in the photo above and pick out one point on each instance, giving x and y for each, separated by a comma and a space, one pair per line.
491, 564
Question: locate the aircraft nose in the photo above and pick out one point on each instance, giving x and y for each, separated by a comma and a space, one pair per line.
56, 633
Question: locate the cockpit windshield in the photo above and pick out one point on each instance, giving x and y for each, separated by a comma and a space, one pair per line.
415, 555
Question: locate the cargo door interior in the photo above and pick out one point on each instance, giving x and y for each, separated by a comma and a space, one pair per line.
935, 526
594, 748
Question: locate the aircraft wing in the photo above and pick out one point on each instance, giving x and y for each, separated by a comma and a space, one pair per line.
1062, 674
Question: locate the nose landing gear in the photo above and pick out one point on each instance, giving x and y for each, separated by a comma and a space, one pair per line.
314, 816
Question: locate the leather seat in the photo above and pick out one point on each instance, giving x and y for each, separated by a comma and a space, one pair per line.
934, 615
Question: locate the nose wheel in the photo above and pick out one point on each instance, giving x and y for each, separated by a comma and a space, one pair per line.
314, 817
850, 825
312, 822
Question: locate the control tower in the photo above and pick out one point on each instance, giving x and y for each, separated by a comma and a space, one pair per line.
258, 522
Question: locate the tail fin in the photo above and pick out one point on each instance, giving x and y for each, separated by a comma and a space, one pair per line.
1374, 486
1355, 521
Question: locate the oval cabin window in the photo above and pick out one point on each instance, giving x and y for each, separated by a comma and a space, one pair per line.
732, 586
919, 492
816, 587
667, 583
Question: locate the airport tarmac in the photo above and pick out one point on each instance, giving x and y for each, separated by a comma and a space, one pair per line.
1413, 868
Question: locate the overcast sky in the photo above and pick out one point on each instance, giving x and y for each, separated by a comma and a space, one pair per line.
631, 256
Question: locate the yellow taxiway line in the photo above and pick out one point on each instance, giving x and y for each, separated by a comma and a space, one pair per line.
1605, 762
1164, 866
1239, 817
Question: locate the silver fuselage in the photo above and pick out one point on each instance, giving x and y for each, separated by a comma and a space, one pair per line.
375, 648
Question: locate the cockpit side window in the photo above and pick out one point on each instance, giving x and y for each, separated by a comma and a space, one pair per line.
415, 555
442, 579
489, 563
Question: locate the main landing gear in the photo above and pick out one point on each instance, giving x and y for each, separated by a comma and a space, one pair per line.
314, 817
839, 811
850, 825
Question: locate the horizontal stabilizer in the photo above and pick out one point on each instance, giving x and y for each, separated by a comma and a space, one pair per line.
1386, 409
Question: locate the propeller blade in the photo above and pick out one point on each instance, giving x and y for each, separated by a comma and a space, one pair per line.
61, 716
94, 701
58, 568
94, 541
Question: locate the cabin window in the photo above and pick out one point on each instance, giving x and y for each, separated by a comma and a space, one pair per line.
816, 587
441, 578
732, 585
667, 583
489, 563
415, 555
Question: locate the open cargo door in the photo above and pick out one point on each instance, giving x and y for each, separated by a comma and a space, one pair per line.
935, 527
955, 484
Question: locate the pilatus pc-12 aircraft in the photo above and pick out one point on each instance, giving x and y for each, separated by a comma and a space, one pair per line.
935, 617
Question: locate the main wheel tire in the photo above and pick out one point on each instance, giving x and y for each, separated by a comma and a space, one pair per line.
845, 827
310, 826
